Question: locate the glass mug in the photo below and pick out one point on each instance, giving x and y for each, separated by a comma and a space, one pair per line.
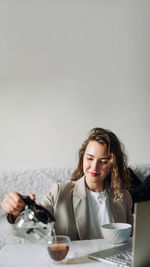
58, 248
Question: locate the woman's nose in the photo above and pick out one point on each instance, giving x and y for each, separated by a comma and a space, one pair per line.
95, 165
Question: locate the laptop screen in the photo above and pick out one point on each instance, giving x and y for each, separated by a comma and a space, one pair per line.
141, 235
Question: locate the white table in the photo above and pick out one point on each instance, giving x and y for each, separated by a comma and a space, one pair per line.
36, 255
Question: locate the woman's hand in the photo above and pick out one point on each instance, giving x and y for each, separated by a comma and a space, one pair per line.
13, 203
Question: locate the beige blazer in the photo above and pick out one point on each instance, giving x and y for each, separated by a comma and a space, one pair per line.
68, 203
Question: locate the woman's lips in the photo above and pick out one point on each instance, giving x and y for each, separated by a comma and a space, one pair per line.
94, 173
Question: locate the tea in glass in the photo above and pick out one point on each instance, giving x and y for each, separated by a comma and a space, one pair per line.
58, 248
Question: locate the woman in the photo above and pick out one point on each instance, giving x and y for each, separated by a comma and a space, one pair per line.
97, 193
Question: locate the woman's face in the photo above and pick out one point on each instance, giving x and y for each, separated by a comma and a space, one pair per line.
96, 165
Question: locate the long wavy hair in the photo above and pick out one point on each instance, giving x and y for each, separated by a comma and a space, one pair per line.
118, 177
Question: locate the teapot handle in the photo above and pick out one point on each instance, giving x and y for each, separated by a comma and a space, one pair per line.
40, 212
28, 201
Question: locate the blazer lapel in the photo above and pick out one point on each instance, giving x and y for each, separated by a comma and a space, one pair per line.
80, 208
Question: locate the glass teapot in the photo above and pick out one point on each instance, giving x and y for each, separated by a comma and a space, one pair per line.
34, 223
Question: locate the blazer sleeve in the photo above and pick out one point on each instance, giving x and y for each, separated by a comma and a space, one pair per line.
49, 201
128, 200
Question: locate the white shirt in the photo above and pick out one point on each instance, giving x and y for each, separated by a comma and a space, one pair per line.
99, 211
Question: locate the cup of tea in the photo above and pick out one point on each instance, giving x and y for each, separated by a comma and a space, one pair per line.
58, 248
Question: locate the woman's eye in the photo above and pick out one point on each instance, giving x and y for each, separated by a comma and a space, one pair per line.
103, 162
89, 158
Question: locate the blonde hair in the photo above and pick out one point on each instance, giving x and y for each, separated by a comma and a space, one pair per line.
118, 178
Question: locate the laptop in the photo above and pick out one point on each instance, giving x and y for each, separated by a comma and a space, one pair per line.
137, 253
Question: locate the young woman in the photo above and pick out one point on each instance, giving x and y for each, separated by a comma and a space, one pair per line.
97, 193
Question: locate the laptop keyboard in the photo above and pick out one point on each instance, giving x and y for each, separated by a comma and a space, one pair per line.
121, 259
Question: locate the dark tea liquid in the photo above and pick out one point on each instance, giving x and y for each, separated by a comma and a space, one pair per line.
58, 253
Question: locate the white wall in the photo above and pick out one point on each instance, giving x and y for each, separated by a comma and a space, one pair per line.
66, 67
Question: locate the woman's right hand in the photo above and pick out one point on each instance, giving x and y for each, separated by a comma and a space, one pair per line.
13, 203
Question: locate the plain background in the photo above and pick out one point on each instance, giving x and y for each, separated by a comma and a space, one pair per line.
69, 66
